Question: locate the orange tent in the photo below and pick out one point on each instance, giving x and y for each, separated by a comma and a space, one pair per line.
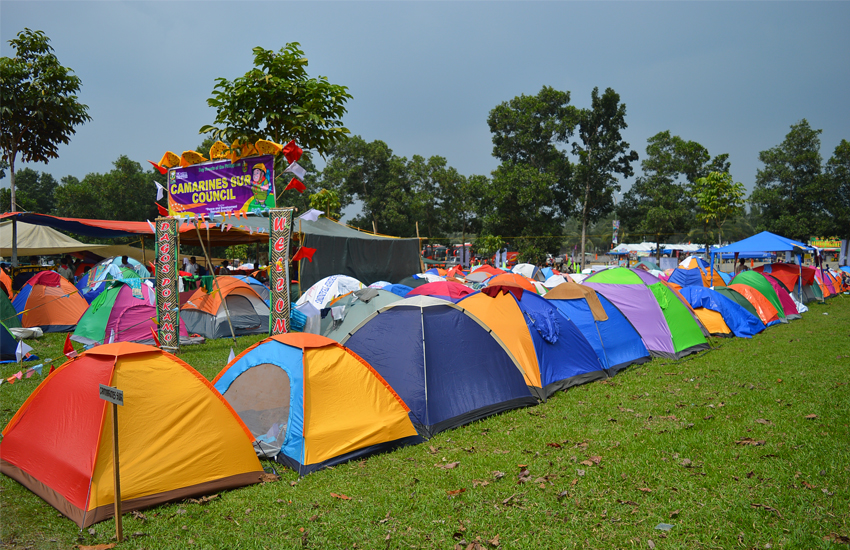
204, 313
766, 312
177, 436
512, 279
50, 302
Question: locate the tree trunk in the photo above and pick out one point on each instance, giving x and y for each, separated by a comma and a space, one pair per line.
14, 209
584, 222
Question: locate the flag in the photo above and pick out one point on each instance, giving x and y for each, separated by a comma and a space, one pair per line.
304, 252
112, 336
310, 215
29, 373
231, 357
160, 191
295, 184
69, 350
153, 229
296, 169
22, 351
38, 368
52, 368
155, 338
163, 211
292, 152
161, 169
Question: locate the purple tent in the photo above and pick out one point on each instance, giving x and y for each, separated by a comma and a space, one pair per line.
640, 307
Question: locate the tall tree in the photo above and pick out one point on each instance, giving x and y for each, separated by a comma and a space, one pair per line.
660, 203
35, 191
372, 174
124, 193
602, 153
837, 191
789, 189
529, 136
277, 100
39, 108
718, 199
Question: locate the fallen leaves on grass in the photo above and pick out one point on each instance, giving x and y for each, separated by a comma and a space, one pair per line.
555, 445
763, 421
750, 441
675, 513
340, 496
835, 538
449, 466
266, 477
202, 500
768, 508
687, 463
644, 489
139, 516
456, 492
810, 416
97, 546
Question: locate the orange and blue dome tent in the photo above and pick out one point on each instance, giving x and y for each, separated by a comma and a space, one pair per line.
311, 403
695, 271
50, 302
178, 437
549, 347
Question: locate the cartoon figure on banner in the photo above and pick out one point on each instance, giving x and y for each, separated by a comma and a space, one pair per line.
260, 185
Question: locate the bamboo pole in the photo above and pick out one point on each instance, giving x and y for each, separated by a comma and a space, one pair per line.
119, 528
215, 281
421, 261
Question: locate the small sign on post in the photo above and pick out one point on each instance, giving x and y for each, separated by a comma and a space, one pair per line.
116, 397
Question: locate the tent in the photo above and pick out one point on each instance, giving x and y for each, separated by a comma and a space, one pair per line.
50, 302
513, 279
8, 315
341, 249
789, 304
550, 349
103, 273
261, 289
795, 278
8, 344
39, 240
177, 437
765, 310
117, 315
530, 271
722, 316
616, 342
665, 323
324, 291
350, 310
693, 271
761, 284
446, 290
204, 312
442, 361
312, 403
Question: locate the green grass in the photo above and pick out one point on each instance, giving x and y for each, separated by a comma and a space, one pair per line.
664, 436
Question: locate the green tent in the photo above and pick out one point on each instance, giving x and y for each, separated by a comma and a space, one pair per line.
685, 329
8, 315
757, 281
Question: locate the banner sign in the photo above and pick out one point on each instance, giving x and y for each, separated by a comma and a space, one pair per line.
820, 242
280, 232
246, 185
167, 297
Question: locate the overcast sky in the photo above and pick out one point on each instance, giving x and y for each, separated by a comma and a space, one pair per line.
732, 76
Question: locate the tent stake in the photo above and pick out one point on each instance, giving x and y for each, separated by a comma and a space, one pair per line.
215, 281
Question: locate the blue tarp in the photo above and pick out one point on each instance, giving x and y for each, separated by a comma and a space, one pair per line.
763, 242
445, 366
741, 322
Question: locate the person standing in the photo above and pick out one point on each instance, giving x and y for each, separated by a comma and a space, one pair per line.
66, 268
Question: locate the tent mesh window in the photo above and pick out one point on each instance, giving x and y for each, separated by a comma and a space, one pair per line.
260, 396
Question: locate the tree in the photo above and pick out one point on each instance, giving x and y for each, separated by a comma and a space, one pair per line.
374, 175
660, 202
125, 193
326, 201
602, 153
38, 105
277, 100
532, 185
789, 189
35, 191
718, 199
837, 191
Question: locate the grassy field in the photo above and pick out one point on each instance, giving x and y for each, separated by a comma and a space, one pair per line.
745, 446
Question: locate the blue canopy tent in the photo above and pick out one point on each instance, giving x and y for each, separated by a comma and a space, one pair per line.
765, 242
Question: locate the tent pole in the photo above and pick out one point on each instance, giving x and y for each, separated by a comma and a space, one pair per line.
144, 258
215, 281
301, 243
421, 261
